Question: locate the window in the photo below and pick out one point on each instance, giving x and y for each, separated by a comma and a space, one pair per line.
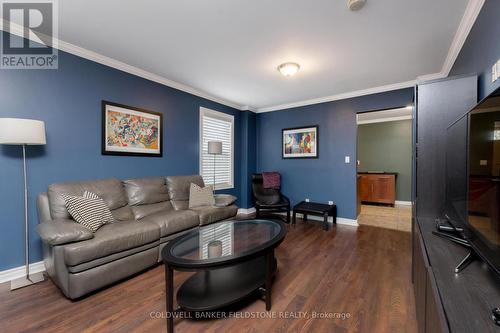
217, 126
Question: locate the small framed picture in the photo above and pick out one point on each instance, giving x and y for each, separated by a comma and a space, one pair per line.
130, 131
300, 142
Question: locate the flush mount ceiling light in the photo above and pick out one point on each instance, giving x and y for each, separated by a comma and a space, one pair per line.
355, 4
288, 68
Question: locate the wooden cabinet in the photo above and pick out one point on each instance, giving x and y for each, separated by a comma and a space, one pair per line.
377, 188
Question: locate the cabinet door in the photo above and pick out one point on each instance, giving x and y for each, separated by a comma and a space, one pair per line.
419, 279
435, 320
384, 190
365, 188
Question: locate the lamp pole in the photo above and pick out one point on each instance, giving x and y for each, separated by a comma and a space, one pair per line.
24, 132
214, 148
26, 231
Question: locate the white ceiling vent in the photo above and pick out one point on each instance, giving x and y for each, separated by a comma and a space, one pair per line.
355, 4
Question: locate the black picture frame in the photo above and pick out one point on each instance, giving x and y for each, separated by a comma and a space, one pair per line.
105, 151
315, 127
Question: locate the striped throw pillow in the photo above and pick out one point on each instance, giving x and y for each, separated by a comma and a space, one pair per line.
106, 213
90, 212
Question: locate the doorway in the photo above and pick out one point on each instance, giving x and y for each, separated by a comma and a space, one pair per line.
384, 164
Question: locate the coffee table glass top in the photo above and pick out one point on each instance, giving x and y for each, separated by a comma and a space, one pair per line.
223, 241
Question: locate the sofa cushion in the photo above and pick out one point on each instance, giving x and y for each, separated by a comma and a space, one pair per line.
110, 190
178, 189
173, 221
145, 210
111, 238
214, 214
143, 191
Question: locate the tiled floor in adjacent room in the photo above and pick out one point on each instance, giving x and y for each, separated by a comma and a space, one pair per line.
397, 218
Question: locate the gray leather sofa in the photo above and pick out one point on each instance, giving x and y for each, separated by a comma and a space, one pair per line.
148, 212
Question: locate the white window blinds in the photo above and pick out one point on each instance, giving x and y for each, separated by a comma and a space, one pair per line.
217, 126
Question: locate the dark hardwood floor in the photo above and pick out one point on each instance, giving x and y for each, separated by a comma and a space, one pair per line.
364, 273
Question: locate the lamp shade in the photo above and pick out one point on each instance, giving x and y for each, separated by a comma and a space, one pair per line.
215, 147
14, 131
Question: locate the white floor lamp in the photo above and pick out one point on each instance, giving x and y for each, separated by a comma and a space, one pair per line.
214, 148
23, 132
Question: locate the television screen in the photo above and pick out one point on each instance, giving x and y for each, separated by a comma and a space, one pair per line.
456, 171
483, 204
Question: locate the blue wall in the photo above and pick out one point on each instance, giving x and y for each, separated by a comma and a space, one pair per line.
248, 155
327, 177
481, 49
69, 101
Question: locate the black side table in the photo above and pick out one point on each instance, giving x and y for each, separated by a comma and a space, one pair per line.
314, 208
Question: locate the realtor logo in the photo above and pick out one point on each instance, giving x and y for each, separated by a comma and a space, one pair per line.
29, 35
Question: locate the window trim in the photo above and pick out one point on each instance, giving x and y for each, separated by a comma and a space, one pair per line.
221, 116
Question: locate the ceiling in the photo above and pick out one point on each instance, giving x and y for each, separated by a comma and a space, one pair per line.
229, 49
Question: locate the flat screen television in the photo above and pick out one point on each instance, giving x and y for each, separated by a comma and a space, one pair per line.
473, 177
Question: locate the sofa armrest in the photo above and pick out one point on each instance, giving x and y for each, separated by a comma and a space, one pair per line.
224, 200
63, 231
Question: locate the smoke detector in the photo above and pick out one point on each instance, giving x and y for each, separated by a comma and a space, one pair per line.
355, 4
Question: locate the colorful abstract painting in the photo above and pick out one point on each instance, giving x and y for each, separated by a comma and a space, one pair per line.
131, 131
300, 142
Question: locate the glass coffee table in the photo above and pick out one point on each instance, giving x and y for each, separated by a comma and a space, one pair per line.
232, 259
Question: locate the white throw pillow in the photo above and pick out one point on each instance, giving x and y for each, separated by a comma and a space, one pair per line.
200, 196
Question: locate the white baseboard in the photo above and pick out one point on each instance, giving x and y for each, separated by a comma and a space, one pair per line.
402, 203
246, 211
18, 272
340, 220
344, 221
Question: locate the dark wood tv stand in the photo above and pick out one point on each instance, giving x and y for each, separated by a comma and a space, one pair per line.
445, 301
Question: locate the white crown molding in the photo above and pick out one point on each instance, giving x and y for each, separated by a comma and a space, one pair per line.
383, 120
430, 77
337, 97
110, 62
248, 108
470, 15
19, 272
468, 19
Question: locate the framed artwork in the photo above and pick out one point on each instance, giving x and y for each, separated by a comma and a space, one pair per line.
130, 131
300, 142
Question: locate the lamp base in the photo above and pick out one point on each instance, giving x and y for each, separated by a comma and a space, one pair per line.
26, 281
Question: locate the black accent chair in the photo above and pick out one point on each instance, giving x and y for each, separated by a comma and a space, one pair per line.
268, 200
